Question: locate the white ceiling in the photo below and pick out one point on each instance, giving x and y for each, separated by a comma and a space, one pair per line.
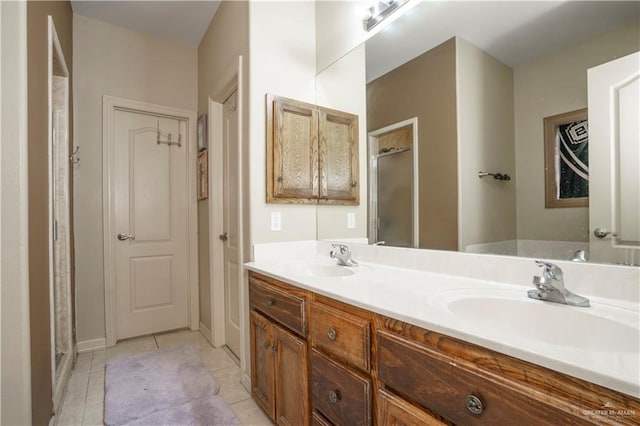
513, 32
182, 21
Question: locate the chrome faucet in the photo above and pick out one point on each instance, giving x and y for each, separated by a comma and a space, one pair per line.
342, 254
550, 287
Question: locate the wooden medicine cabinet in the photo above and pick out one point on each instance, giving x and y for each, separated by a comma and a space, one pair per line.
312, 154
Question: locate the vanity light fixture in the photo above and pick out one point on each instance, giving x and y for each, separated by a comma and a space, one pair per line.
380, 11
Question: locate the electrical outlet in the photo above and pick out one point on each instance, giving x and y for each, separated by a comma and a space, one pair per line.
351, 220
276, 221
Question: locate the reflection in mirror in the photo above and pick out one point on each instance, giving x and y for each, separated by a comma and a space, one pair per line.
479, 89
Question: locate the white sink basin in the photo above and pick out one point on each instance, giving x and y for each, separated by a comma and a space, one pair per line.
320, 270
603, 328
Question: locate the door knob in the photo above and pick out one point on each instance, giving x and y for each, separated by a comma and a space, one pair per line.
124, 237
224, 237
602, 232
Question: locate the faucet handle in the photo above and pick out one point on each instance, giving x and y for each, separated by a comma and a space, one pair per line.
550, 270
342, 249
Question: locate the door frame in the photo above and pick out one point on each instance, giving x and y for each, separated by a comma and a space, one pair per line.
233, 81
109, 106
372, 147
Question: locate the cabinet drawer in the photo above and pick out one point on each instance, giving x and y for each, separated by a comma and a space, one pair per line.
318, 420
341, 395
341, 334
437, 383
276, 303
393, 410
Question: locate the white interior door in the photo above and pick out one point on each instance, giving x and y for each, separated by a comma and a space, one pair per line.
614, 160
150, 224
230, 236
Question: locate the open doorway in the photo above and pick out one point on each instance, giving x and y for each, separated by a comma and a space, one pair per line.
393, 184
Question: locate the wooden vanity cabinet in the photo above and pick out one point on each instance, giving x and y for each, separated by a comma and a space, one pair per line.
279, 357
318, 361
312, 154
468, 384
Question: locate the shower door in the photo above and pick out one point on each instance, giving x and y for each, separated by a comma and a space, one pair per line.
395, 201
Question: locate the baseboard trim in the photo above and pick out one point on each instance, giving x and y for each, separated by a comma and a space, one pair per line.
92, 345
206, 333
246, 382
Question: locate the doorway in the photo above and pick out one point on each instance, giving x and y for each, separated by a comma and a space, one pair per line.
228, 278
230, 224
150, 224
59, 218
614, 161
393, 188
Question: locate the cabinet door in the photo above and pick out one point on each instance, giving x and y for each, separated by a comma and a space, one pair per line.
338, 156
263, 363
292, 151
291, 377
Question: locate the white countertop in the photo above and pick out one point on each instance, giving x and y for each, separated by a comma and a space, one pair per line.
422, 298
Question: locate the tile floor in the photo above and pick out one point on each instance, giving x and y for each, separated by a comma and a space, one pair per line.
83, 403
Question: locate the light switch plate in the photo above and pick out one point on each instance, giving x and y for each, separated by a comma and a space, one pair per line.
276, 221
351, 220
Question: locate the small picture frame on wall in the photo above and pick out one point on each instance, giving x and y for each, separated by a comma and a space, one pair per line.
202, 132
203, 175
566, 159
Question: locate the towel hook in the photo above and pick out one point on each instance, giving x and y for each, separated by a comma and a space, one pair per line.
74, 158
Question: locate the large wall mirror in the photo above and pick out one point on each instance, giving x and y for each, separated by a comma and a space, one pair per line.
452, 98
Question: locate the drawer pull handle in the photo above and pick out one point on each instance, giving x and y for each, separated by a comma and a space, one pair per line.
474, 404
270, 302
274, 349
334, 396
266, 345
331, 334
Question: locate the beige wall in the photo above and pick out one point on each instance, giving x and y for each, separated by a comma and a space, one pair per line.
226, 39
342, 86
282, 63
15, 391
426, 87
551, 85
114, 61
487, 207
38, 107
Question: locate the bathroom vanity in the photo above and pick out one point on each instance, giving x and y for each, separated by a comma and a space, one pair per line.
330, 360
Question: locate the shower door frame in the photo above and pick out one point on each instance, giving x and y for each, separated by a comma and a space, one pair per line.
372, 138
56, 148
